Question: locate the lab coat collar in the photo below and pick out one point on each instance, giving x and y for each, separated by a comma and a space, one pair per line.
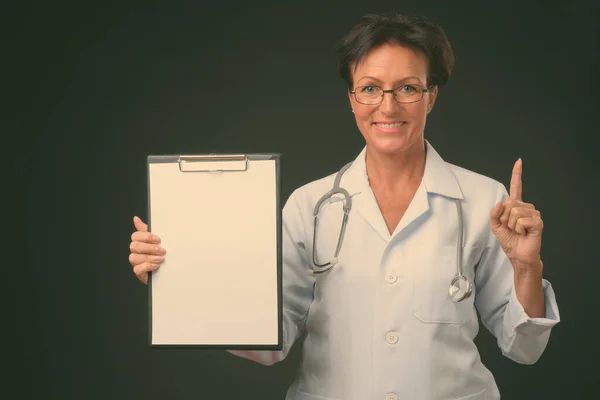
438, 178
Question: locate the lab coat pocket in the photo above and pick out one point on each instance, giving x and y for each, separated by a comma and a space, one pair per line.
433, 271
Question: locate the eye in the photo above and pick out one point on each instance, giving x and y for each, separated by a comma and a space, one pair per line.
407, 90
369, 90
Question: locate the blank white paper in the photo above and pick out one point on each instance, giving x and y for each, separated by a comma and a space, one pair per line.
218, 284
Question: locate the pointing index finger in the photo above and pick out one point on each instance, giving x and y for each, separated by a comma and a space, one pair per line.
516, 185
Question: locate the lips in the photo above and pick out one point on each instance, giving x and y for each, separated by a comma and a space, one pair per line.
389, 125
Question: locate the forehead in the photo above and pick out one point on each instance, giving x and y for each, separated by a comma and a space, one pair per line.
390, 63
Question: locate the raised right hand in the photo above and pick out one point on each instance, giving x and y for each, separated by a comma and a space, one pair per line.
146, 255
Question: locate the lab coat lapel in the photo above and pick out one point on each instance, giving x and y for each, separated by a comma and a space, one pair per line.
438, 178
363, 200
418, 206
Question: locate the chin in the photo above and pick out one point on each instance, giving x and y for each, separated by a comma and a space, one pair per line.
389, 146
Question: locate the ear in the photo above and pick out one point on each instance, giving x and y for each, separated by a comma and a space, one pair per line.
433, 92
351, 100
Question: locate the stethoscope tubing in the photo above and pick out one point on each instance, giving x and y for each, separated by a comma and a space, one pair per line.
456, 292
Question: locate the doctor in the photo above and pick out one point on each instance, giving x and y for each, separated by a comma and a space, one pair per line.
386, 319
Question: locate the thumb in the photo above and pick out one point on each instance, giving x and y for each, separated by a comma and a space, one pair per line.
139, 224
495, 214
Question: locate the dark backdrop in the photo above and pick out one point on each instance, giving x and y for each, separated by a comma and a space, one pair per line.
95, 87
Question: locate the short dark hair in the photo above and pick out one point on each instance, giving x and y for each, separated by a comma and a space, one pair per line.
413, 31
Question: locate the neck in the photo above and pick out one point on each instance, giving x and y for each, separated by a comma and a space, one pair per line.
393, 172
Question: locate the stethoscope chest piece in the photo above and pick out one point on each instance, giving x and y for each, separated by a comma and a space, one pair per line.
460, 288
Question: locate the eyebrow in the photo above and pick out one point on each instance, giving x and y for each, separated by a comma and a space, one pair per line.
395, 82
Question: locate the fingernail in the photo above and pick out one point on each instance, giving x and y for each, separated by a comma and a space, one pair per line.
156, 239
155, 265
157, 259
160, 250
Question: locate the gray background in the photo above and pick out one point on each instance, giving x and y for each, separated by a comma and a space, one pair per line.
94, 88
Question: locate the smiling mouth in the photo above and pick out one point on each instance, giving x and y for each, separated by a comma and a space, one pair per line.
389, 126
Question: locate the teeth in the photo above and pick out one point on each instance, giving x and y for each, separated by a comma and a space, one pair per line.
396, 125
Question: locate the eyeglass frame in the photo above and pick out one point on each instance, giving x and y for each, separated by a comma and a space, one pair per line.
384, 91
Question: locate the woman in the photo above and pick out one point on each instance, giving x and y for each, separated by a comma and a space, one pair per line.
381, 322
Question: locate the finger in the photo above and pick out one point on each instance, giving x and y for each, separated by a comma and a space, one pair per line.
147, 237
529, 225
509, 205
520, 212
139, 224
136, 259
495, 215
141, 271
146, 267
146, 248
508, 202
516, 186
142, 277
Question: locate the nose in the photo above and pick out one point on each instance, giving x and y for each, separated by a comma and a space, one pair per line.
389, 104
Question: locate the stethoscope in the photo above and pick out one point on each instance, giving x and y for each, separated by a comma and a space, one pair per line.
460, 287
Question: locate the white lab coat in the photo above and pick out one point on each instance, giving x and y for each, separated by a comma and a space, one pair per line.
381, 324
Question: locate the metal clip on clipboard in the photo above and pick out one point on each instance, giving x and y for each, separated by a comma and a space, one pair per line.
213, 163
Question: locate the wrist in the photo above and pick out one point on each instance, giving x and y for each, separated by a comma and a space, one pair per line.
528, 270
529, 289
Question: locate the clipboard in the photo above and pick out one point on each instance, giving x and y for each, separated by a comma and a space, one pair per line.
219, 219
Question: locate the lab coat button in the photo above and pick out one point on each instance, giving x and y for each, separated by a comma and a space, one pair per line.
391, 338
391, 278
391, 396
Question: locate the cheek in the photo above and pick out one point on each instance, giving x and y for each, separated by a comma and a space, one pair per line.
363, 114
414, 113
364, 120
417, 111
417, 116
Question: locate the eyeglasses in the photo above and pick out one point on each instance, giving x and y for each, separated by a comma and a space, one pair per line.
373, 94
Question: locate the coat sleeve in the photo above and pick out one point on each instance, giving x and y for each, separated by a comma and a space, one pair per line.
520, 338
297, 285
